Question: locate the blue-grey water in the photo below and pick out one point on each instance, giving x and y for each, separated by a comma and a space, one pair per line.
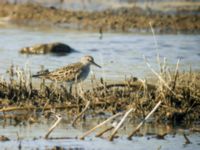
119, 54
31, 136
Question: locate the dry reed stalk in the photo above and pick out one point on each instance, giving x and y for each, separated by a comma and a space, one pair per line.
156, 44
16, 108
47, 102
99, 125
176, 75
120, 124
4, 115
12, 116
104, 131
139, 126
80, 114
168, 73
160, 78
144, 83
195, 129
59, 118
162, 67
62, 106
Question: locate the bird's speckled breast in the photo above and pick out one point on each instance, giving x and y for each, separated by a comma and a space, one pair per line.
84, 73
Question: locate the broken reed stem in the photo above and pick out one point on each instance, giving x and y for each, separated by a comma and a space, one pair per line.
187, 141
99, 125
120, 124
141, 123
80, 114
104, 131
59, 118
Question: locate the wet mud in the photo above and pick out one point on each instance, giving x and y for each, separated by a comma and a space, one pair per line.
134, 19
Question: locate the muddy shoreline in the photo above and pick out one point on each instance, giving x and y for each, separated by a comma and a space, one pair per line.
132, 19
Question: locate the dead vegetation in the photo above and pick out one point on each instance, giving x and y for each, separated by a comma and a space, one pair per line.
179, 93
174, 98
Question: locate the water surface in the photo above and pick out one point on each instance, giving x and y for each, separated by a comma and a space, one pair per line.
31, 136
119, 54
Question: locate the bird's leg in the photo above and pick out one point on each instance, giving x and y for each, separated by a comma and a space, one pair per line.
76, 87
69, 87
80, 89
76, 90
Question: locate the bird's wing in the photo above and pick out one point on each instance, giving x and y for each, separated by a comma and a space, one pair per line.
67, 73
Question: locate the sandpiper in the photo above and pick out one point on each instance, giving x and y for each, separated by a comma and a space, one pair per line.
75, 72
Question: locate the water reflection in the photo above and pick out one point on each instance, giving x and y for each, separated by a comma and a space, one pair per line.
31, 136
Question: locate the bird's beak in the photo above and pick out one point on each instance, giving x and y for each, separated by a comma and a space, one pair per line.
96, 64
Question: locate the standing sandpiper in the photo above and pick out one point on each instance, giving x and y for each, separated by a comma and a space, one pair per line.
75, 72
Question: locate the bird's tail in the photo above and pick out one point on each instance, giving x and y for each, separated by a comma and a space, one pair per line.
41, 73
36, 75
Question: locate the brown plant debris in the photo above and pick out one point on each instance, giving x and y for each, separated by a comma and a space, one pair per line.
18, 93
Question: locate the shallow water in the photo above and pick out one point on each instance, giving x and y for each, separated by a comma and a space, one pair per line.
119, 54
141, 143
31, 137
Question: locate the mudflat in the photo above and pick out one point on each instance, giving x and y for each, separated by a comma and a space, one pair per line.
124, 19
